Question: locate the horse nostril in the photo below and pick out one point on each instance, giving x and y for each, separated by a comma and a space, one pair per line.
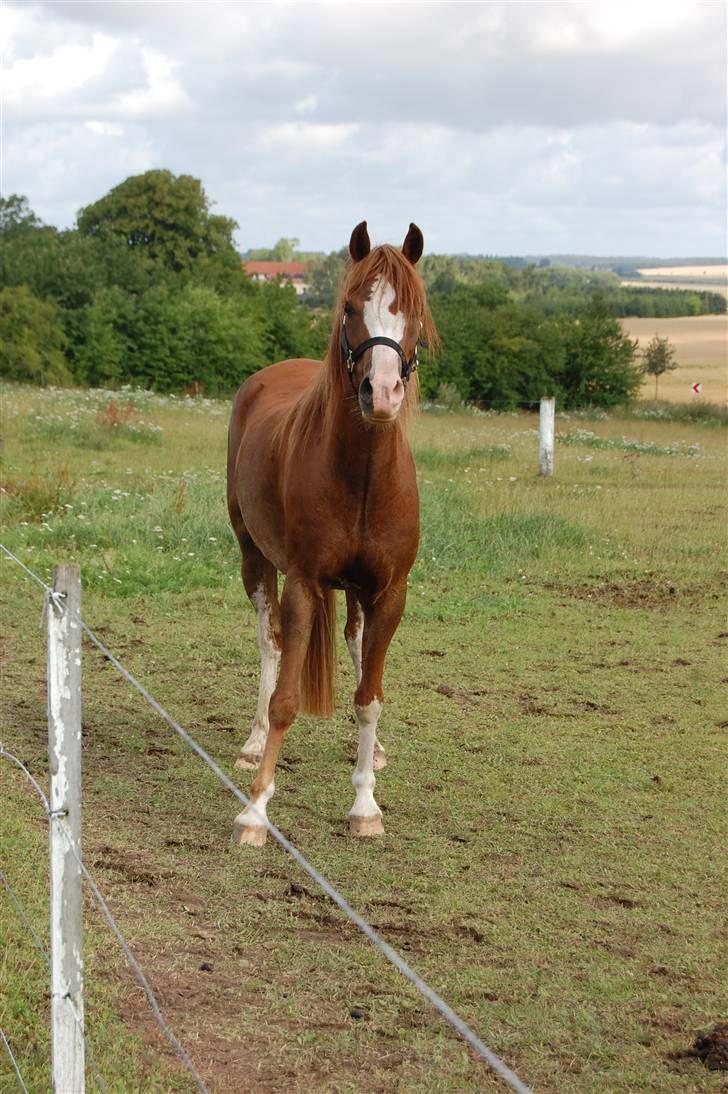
366, 393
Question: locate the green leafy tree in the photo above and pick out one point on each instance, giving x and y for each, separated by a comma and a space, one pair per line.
599, 367
522, 352
289, 330
16, 216
658, 358
165, 217
220, 341
325, 278
443, 273
103, 338
285, 250
31, 338
461, 318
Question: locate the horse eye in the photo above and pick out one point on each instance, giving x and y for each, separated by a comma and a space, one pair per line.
348, 309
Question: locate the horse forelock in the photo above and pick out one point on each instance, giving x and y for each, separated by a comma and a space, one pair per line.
390, 265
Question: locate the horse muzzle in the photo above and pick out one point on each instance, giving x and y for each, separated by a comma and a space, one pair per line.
380, 400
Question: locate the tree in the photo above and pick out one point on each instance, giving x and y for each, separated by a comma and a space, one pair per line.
282, 251
658, 358
31, 339
325, 278
16, 216
599, 367
101, 338
164, 217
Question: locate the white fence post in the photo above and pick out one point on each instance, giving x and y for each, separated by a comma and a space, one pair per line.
64, 754
547, 417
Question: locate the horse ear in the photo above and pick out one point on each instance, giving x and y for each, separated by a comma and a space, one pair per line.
413, 245
359, 245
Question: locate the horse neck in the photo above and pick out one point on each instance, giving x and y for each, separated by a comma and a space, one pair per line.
361, 453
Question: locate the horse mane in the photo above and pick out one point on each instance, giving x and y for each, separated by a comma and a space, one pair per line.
331, 392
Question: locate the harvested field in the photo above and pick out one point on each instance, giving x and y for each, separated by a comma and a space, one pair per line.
717, 273
712, 278
701, 343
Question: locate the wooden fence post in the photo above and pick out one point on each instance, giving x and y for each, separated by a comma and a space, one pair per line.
64, 754
546, 436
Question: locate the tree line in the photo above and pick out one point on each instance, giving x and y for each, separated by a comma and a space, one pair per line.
148, 289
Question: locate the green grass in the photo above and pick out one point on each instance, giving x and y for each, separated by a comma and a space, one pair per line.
554, 800
586, 438
700, 413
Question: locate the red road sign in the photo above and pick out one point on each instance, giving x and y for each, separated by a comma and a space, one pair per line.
697, 388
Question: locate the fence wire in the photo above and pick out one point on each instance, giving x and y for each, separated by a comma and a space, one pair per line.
45, 954
13, 1061
131, 959
22, 914
444, 1009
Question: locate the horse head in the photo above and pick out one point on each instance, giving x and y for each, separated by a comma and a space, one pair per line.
382, 311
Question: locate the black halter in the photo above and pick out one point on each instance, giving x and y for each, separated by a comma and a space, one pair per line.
352, 355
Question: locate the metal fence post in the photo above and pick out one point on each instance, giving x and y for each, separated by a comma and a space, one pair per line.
64, 754
546, 436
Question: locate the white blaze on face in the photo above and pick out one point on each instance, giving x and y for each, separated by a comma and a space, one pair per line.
384, 373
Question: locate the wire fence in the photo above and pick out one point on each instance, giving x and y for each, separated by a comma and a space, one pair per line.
436, 1001
45, 952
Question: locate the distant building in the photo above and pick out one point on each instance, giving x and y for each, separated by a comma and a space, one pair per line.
290, 273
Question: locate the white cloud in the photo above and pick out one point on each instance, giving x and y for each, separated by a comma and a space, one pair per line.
160, 94
301, 138
63, 69
500, 127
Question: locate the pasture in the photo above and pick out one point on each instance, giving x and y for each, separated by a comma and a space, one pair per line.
701, 344
554, 803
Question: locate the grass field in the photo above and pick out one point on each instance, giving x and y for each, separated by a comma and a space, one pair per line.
701, 344
554, 862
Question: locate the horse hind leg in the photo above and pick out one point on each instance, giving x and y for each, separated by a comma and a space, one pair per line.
261, 584
353, 633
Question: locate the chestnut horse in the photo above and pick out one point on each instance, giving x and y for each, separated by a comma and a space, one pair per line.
321, 487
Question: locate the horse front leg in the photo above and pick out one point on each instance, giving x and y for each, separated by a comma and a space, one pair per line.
353, 633
381, 621
297, 610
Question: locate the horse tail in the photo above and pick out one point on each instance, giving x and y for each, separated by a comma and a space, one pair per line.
318, 676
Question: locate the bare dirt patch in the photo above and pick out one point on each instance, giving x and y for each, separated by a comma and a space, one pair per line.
648, 591
709, 1048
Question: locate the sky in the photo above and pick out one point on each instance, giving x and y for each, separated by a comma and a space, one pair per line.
586, 127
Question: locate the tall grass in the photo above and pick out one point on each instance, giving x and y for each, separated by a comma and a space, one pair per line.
457, 538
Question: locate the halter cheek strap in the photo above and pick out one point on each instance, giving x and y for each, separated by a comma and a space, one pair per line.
352, 355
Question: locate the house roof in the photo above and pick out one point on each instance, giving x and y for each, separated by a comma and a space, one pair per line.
277, 269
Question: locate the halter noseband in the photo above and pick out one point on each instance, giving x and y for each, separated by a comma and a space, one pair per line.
352, 355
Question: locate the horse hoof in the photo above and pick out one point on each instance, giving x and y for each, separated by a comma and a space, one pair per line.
366, 826
254, 835
248, 761
380, 760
